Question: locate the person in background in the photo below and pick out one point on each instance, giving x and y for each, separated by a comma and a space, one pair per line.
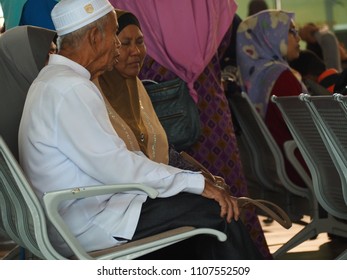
266, 42
23, 53
343, 55
66, 140
318, 79
228, 61
28, 12
198, 63
255, 6
324, 43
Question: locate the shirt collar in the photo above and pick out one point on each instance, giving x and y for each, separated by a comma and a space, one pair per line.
62, 60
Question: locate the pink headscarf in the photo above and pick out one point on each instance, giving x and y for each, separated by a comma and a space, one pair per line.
182, 35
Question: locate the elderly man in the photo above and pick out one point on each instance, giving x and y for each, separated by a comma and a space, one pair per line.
67, 140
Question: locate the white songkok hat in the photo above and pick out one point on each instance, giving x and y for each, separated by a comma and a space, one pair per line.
70, 15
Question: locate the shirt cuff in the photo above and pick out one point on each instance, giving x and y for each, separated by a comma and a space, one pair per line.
195, 182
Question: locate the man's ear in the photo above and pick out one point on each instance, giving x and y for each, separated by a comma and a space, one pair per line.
94, 38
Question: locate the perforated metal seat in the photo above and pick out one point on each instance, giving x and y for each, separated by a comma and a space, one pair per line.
264, 159
327, 182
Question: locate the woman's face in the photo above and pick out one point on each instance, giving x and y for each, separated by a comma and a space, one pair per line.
132, 51
293, 43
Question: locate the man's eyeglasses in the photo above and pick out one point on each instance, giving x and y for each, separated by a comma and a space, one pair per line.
294, 31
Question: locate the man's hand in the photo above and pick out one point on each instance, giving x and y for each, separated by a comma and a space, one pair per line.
228, 204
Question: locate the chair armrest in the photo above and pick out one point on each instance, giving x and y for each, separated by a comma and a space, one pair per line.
82, 192
152, 243
289, 148
52, 200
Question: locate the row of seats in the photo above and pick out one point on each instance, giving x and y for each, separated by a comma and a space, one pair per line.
318, 126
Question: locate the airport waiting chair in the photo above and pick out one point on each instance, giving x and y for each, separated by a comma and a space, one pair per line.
265, 158
330, 117
25, 219
327, 183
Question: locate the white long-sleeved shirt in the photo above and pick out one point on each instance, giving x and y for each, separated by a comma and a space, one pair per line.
66, 140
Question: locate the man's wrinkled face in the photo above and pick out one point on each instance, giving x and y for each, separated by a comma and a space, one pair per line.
109, 46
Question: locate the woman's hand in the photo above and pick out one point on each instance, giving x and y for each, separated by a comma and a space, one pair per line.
228, 204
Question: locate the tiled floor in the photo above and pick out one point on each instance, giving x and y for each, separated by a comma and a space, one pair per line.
6, 246
320, 248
